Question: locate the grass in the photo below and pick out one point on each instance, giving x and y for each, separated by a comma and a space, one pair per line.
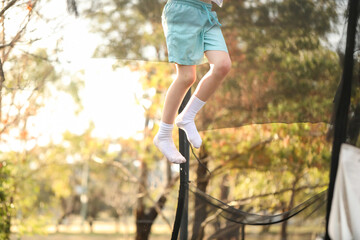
88, 236
161, 232
64, 236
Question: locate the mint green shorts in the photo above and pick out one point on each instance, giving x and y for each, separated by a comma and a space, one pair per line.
190, 29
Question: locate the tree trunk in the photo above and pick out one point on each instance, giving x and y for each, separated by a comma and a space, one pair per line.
233, 232
146, 217
290, 206
144, 220
284, 230
265, 229
91, 224
142, 226
117, 224
143, 229
68, 206
200, 207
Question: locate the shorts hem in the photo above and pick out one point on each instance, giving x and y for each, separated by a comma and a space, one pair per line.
217, 49
183, 62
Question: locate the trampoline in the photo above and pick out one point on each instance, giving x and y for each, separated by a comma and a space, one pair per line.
291, 82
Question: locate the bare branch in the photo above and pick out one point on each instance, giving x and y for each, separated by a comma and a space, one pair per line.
7, 7
125, 170
29, 99
20, 32
2, 80
37, 56
159, 204
6, 45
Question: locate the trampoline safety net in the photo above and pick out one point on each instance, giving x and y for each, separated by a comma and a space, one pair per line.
267, 131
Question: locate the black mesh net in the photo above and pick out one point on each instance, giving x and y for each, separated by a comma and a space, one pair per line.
231, 211
262, 180
267, 131
285, 54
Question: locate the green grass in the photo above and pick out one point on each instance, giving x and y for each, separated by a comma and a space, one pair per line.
88, 236
64, 236
252, 233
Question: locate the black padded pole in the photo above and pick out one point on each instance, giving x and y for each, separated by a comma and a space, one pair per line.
341, 119
181, 218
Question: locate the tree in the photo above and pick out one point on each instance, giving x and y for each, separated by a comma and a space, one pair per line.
21, 99
277, 60
6, 209
145, 214
17, 113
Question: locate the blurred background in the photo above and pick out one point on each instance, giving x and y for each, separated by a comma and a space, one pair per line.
82, 87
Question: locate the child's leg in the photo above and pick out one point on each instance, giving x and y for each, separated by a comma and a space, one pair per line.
220, 65
186, 76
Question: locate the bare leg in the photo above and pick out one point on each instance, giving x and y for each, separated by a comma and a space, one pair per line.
220, 65
186, 76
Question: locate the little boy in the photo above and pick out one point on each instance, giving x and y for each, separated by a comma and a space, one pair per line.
191, 29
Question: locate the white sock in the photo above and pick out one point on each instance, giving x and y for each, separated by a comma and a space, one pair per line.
164, 142
185, 120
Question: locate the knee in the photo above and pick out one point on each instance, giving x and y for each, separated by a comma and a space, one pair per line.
188, 78
222, 68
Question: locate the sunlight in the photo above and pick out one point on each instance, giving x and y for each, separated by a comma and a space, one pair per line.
109, 100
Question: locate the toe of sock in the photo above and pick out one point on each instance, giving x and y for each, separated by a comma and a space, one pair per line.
195, 140
178, 160
197, 143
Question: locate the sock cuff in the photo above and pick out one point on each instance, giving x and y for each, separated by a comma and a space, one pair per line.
195, 103
198, 100
166, 125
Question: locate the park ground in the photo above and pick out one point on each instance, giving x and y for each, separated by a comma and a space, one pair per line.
160, 232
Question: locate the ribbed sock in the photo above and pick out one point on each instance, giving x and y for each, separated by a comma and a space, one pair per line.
165, 143
185, 120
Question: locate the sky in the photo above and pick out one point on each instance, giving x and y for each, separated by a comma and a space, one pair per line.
108, 96
108, 100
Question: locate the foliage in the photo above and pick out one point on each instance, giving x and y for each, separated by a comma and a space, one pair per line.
6, 208
21, 100
283, 72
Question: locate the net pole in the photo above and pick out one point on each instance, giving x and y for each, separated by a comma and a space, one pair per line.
342, 111
181, 217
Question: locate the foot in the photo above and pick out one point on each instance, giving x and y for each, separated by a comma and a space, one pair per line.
168, 148
189, 128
